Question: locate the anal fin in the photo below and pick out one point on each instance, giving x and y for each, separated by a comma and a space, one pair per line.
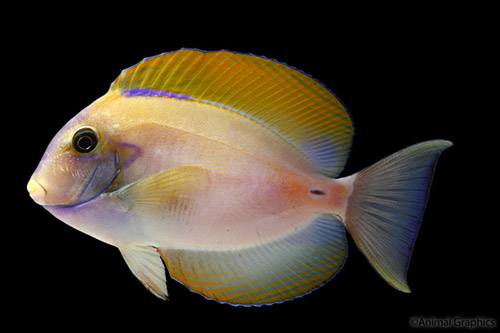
265, 273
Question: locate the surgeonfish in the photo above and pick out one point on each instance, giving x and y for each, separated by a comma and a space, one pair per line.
221, 168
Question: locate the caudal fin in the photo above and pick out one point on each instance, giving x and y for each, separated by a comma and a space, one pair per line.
386, 206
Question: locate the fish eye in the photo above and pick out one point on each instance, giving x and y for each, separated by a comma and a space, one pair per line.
85, 140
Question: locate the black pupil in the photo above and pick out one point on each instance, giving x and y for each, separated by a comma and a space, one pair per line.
85, 140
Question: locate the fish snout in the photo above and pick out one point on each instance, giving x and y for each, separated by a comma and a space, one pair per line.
36, 191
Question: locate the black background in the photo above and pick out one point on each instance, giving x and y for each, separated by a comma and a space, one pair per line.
404, 77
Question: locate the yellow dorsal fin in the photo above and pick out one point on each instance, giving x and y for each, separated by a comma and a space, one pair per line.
285, 100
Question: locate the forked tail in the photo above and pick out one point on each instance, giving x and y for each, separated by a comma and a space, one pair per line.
386, 206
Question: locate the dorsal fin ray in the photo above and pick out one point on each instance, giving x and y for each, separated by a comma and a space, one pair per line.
287, 101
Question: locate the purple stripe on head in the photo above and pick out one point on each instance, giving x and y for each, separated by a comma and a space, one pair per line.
152, 92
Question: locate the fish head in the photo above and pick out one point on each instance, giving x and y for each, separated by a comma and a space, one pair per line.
78, 165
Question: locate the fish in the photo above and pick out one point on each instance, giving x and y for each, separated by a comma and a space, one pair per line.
222, 169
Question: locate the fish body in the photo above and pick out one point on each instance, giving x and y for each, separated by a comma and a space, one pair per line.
220, 166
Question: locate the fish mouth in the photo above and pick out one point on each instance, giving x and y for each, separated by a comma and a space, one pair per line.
37, 191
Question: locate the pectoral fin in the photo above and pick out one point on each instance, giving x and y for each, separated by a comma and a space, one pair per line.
170, 190
146, 264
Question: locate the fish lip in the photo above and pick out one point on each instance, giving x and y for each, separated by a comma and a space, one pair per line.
36, 191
